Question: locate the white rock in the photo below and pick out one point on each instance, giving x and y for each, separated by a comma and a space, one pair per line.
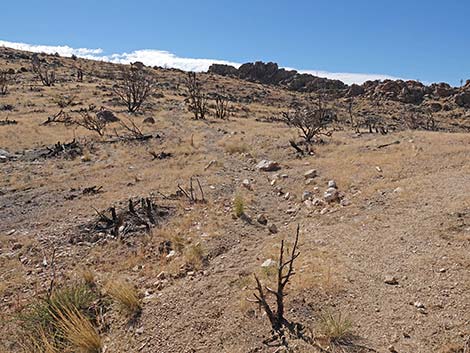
332, 184
331, 195
310, 174
269, 263
307, 195
268, 166
247, 184
171, 254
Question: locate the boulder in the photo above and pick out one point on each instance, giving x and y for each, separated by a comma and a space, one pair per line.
463, 99
355, 90
268, 166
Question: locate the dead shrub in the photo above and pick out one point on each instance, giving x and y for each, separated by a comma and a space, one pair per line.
197, 99
135, 87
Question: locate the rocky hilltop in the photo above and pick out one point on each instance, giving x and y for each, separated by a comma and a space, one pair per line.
411, 91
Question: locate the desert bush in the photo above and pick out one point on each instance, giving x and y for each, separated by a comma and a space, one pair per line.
45, 73
125, 295
312, 119
135, 87
196, 100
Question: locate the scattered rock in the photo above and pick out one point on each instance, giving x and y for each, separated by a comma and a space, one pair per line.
247, 184
149, 120
171, 254
391, 280
331, 195
268, 166
332, 184
310, 174
261, 219
272, 228
345, 202
419, 305
269, 263
307, 195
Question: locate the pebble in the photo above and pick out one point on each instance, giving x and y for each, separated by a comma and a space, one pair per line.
391, 280
310, 174
272, 228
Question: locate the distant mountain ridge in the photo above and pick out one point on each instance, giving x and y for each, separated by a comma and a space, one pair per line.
411, 91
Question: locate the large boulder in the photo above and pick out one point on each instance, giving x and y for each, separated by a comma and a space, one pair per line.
355, 90
463, 99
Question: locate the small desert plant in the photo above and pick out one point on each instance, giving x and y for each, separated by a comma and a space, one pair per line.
196, 100
238, 206
126, 296
45, 74
135, 88
335, 328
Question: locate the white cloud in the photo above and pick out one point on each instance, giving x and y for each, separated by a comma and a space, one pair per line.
166, 59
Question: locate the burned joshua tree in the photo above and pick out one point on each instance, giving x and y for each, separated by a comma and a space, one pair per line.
6, 79
221, 107
196, 100
135, 87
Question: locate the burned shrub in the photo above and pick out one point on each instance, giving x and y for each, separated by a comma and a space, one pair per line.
135, 88
312, 120
136, 217
44, 72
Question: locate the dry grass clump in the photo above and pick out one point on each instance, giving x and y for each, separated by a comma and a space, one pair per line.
236, 147
194, 255
61, 321
78, 330
125, 295
336, 329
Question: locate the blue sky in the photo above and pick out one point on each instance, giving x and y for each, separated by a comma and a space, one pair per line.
425, 40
